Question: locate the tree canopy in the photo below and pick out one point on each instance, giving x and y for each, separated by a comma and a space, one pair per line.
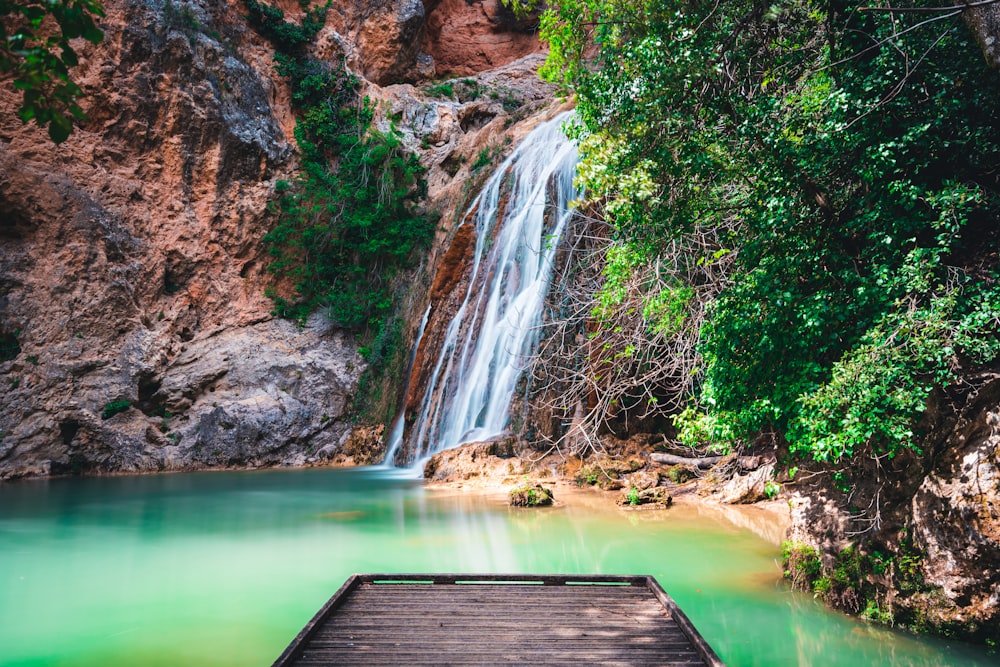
841, 166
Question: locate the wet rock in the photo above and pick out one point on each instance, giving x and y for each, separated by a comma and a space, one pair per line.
679, 474
609, 473
655, 498
366, 445
494, 459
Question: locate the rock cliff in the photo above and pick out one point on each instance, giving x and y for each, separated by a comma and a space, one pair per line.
134, 330
915, 541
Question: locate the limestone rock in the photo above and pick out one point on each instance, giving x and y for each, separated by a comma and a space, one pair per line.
650, 498
132, 261
132, 266
643, 479
261, 395
530, 495
956, 522
493, 459
936, 516
389, 40
748, 488
365, 446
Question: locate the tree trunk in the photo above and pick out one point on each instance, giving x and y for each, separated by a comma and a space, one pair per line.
746, 462
984, 21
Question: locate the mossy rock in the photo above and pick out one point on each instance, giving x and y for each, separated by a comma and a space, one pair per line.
530, 495
681, 473
654, 498
606, 473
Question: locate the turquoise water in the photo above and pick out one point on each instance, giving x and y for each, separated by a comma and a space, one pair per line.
225, 568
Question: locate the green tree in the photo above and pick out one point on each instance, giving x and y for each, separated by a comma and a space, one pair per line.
35, 49
842, 161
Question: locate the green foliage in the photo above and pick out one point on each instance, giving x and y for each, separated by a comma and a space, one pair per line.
463, 90
632, 497
286, 35
522, 8
386, 355
35, 51
849, 581
843, 163
696, 428
801, 564
880, 388
443, 89
114, 407
489, 155
346, 226
482, 159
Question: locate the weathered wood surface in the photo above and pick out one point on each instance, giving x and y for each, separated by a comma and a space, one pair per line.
499, 619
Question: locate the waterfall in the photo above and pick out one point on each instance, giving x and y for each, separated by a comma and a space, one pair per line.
519, 218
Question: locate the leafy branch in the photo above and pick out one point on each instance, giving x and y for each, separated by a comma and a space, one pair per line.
35, 51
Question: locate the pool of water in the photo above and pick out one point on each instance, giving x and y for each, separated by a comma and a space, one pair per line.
225, 568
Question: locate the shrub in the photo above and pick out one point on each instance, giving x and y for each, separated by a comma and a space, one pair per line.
801, 565
114, 407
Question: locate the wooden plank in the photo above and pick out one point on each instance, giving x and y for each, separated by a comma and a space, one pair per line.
543, 579
288, 656
466, 660
685, 624
464, 619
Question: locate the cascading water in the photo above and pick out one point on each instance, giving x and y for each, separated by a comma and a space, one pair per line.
519, 219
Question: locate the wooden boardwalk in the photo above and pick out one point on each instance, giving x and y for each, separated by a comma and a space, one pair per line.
416, 619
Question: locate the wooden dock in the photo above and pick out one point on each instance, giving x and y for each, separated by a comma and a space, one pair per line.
418, 619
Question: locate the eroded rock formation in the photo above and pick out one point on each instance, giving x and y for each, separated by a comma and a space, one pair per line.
135, 333
468, 36
932, 519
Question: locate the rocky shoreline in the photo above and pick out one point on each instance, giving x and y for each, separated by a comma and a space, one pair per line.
904, 576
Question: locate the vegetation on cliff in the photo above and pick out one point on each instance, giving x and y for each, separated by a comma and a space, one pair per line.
347, 225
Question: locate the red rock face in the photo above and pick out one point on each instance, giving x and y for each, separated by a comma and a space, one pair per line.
445, 300
465, 37
132, 259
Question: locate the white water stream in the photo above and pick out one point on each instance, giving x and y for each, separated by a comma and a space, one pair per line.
520, 216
